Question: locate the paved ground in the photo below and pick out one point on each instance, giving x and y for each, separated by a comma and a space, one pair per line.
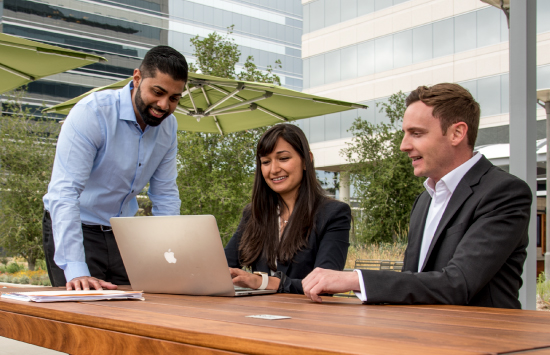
14, 347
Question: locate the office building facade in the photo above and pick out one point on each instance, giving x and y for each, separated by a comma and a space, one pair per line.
122, 31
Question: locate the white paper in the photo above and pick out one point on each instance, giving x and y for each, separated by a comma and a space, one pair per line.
64, 296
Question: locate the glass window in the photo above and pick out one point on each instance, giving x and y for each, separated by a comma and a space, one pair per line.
543, 16
465, 32
254, 25
198, 13
289, 33
280, 32
246, 24
238, 21
348, 61
227, 19
346, 120
306, 73
332, 67
543, 77
316, 129
505, 93
384, 54
488, 26
348, 9
209, 15
471, 86
365, 7
368, 114
402, 49
317, 71
297, 40
332, 12
264, 29
304, 125
422, 43
188, 8
306, 18
272, 29
488, 95
365, 58
218, 15
504, 28
316, 15
263, 60
332, 126
382, 4
297, 65
443, 38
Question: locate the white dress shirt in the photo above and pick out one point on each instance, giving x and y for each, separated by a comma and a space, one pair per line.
441, 193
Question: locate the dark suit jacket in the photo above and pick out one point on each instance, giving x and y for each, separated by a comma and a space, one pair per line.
476, 256
327, 246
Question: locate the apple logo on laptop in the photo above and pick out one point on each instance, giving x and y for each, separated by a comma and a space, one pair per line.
169, 256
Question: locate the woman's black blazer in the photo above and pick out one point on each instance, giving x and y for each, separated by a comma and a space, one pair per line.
327, 246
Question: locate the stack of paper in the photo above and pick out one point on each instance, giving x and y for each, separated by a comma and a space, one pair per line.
60, 296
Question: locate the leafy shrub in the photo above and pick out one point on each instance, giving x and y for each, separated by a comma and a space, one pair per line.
2, 268
543, 288
13, 268
4, 260
41, 264
24, 279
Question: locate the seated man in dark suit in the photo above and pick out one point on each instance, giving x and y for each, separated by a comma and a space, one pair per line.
468, 231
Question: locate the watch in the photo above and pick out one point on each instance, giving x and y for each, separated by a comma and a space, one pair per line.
265, 279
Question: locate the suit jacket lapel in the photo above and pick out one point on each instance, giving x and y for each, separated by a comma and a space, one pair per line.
416, 231
460, 195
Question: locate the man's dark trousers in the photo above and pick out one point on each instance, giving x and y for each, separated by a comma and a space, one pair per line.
102, 254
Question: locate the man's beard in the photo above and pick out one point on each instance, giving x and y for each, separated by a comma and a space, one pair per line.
143, 110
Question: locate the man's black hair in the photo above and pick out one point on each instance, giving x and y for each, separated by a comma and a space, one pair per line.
167, 60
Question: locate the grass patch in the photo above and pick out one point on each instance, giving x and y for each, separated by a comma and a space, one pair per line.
543, 291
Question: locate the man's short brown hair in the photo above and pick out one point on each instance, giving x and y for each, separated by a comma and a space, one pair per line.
451, 104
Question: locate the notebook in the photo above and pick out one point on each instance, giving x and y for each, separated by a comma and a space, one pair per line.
176, 254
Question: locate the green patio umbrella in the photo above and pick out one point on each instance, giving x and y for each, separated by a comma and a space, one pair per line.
216, 105
23, 60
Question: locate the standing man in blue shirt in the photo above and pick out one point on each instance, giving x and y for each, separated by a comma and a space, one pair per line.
112, 144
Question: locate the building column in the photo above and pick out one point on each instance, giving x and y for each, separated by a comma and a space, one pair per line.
344, 187
523, 120
547, 254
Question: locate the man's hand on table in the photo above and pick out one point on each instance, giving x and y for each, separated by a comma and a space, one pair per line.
87, 282
321, 281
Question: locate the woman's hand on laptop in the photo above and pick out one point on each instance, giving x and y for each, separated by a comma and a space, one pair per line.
243, 278
87, 282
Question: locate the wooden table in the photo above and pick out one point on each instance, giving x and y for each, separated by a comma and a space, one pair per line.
216, 325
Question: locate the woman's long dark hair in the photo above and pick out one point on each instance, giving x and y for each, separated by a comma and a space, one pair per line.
260, 235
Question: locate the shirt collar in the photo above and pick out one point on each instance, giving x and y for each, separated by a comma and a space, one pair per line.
126, 106
451, 180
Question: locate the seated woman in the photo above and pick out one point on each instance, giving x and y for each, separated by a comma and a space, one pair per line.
290, 227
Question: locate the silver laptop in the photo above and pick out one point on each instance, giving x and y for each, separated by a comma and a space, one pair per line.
176, 254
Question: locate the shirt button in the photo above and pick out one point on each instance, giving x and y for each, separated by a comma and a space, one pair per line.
132, 191
139, 164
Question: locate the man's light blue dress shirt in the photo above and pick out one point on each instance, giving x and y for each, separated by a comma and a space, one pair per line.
103, 160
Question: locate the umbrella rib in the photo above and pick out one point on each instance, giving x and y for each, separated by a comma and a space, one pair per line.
224, 99
208, 102
239, 104
16, 72
251, 108
272, 114
191, 96
225, 92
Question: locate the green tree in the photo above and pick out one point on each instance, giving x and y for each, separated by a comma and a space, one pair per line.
216, 173
26, 159
382, 176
